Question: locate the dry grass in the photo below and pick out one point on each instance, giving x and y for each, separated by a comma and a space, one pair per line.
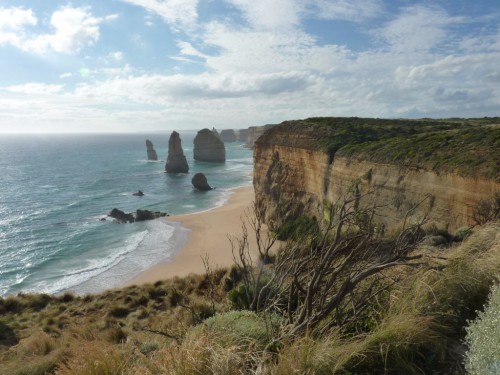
416, 327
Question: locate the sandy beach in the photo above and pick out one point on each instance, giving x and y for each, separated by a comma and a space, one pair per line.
208, 236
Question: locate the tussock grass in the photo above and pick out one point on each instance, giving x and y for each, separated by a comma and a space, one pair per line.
417, 326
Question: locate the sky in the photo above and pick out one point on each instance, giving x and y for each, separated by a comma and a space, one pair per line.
154, 65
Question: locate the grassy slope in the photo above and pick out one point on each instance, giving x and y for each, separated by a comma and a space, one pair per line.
418, 326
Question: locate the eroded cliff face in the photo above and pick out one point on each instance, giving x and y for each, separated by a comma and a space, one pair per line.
302, 179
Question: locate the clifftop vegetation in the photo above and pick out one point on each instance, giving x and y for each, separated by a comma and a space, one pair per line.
404, 304
468, 147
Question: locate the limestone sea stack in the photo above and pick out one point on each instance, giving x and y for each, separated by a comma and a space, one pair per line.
200, 182
151, 150
228, 135
242, 135
176, 160
208, 147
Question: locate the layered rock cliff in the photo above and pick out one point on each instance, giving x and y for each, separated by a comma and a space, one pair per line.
306, 167
152, 155
254, 132
208, 147
176, 160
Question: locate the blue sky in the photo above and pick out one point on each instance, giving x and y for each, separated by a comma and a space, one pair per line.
140, 65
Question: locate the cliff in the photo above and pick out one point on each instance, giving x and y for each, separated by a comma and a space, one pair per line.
208, 147
305, 167
254, 132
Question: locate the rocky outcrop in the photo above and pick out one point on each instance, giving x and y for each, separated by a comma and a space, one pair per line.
208, 147
296, 171
121, 217
200, 182
150, 150
143, 215
227, 135
254, 132
140, 215
242, 135
176, 160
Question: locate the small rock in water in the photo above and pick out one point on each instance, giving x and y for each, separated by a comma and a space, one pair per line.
138, 194
200, 182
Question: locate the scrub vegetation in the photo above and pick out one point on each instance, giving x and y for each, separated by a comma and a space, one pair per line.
341, 301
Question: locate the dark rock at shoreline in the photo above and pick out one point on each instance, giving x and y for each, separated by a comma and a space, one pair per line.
140, 215
228, 135
152, 155
208, 147
121, 217
176, 160
143, 215
200, 182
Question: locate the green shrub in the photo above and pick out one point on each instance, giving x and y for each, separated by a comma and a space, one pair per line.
297, 228
483, 339
240, 328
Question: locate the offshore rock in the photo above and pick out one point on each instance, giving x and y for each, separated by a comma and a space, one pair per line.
176, 160
216, 132
121, 217
208, 147
200, 182
140, 215
152, 155
227, 135
143, 215
242, 135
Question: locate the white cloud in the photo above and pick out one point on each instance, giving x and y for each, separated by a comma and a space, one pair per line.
269, 15
117, 56
35, 88
66, 75
13, 22
416, 29
269, 51
272, 70
177, 13
350, 10
74, 28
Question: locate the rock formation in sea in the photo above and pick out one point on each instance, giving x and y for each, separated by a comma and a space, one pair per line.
140, 215
208, 147
121, 217
176, 160
216, 132
228, 135
152, 155
242, 135
200, 182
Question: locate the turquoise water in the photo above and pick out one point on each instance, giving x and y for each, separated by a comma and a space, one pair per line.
54, 189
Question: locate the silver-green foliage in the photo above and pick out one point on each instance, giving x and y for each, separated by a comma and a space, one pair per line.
483, 339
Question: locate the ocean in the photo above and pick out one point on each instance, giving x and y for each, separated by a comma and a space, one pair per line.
55, 189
